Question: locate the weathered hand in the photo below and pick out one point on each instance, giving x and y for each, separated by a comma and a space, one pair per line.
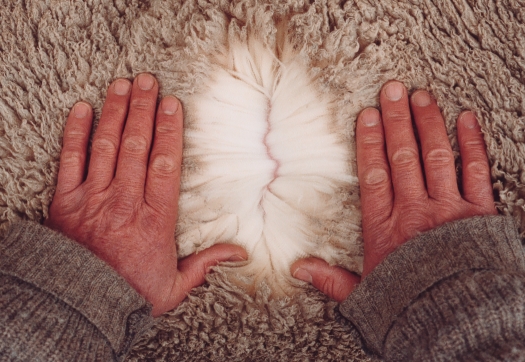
125, 209
397, 203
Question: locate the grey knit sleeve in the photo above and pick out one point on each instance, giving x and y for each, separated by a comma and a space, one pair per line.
59, 302
454, 293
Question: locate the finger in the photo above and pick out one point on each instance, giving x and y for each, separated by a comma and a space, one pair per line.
106, 142
334, 281
477, 185
163, 178
193, 269
438, 159
74, 149
136, 139
402, 149
372, 169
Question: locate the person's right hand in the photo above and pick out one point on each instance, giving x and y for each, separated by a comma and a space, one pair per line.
397, 203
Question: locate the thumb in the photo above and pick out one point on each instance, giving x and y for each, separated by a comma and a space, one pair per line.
193, 268
334, 281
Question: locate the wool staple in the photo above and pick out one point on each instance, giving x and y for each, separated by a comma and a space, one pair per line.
270, 165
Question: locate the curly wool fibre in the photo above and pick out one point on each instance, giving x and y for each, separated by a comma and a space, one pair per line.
270, 163
54, 53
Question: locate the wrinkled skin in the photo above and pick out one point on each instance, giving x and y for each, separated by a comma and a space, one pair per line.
401, 196
125, 208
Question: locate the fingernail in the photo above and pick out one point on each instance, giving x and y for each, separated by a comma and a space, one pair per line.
370, 117
121, 87
170, 105
146, 81
394, 91
303, 275
236, 257
468, 119
81, 110
421, 98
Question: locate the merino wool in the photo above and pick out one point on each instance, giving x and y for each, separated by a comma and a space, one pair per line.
270, 165
53, 53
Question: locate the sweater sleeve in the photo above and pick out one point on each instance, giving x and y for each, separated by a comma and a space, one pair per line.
454, 293
59, 302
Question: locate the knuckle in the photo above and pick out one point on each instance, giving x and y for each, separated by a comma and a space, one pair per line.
405, 157
375, 140
164, 164
413, 224
141, 104
478, 169
398, 115
208, 265
135, 144
433, 117
105, 144
123, 209
475, 143
72, 157
375, 177
439, 157
328, 286
167, 127
75, 133
114, 110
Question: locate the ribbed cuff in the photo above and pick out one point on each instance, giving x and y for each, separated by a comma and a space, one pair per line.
65, 269
489, 242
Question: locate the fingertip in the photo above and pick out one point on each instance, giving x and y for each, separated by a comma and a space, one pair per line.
467, 119
393, 90
146, 81
421, 98
301, 265
304, 269
334, 281
169, 105
81, 110
170, 117
121, 87
369, 117
309, 262
469, 132
231, 252
303, 274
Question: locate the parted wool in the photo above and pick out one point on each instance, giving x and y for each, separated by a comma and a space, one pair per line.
265, 166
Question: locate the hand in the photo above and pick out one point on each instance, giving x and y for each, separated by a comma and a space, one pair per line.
125, 209
397, 203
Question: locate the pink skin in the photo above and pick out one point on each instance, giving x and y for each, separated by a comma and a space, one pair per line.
125, 209
397, 203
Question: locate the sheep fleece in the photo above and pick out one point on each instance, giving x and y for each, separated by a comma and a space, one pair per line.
468, 54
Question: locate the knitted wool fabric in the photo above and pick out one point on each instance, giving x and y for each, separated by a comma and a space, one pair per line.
53, 53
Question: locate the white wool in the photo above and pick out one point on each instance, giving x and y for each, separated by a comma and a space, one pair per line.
264, 164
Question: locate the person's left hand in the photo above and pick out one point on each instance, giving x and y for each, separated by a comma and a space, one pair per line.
125, 209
